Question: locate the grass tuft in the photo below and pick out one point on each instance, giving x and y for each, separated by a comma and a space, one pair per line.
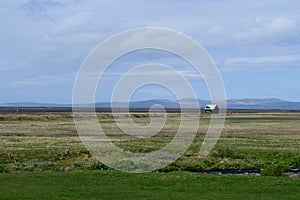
274, 170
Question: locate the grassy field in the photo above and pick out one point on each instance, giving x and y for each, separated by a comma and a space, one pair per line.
38, 142
42, 157
116, 185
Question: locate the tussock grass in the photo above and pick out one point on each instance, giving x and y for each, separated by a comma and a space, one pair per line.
29, 117
37, 142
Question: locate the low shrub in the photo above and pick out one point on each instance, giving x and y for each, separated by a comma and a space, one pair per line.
170, 168
224, 153
2, 168
98, 166
274, 170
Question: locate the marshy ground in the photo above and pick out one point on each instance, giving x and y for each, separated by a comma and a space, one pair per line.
42, 157
49, 141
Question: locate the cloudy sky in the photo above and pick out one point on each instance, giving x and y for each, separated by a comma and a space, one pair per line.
255, 45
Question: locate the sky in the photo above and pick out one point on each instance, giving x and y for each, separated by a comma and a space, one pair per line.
254, 44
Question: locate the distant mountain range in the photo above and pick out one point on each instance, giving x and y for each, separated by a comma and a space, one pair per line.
269, 103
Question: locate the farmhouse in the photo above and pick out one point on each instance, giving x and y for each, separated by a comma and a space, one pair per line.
211, 108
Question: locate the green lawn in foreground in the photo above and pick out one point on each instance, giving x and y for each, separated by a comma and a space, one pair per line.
116, 185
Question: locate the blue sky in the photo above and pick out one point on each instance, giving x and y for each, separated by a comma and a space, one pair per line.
255, 44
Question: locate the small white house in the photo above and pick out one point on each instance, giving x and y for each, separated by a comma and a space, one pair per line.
211, 108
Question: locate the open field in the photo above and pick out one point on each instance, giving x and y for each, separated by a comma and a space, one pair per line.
38, 142
42, 157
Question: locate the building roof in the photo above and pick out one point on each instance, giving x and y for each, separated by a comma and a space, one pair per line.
211, 106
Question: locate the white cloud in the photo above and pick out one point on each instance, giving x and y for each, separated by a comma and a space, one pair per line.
159, 73
266, 63
266, 59
264, 28
255, 31
40, 81
71, 24
54, 36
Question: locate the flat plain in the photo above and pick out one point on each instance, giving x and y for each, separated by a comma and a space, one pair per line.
45, 147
